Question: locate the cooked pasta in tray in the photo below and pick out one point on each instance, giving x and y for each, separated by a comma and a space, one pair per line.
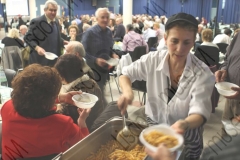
155, 138
114, 151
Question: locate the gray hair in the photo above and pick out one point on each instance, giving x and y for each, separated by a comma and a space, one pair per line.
23, 27
101, 10
85, 27
53, 2
77, 47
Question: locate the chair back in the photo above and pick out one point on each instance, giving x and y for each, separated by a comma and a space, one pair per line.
222, 47
138, 52
12, 58
152, 41
135, 55
208, 54
10, 74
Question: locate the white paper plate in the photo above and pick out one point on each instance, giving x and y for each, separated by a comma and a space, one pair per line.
113, 61
50, 56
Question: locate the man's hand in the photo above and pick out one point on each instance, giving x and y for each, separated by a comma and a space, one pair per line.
67, 97
124, 101
236, 95
40, 50
115, 56
101, 62
220, 75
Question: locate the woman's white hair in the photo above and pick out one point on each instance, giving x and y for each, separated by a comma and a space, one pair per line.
53, 2
101, 10
13, 33
77, 47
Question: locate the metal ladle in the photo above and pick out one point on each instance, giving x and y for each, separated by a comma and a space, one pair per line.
126, 138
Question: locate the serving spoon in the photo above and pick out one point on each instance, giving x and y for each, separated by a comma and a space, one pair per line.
125, 137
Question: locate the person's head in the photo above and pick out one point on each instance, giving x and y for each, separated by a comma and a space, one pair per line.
84, 19
85, 27
112, 22
13, 33
147, 24
180, 35
73, 30
118, 21
50, 9
23, 29
69, 66
74, 22
129, 27
156, 26
207, 35
35, 90
102, 15
228, 32
75, 47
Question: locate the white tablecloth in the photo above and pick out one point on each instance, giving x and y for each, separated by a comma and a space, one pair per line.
117, 46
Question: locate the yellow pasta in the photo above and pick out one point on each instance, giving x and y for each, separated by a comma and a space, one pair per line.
114, 151
155, 138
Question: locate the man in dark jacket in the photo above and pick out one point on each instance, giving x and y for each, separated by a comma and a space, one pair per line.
44, 35
120, 30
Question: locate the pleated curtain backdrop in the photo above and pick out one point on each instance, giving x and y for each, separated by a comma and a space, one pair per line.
231, 12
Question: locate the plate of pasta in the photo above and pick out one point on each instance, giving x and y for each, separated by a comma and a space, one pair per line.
153, 136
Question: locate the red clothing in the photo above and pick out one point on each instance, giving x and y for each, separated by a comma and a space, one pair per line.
27, 137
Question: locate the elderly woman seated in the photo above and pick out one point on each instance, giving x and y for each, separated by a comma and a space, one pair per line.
70, 67
31, 127
208, 52
13, 39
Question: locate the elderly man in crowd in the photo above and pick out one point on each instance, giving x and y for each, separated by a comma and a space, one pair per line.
119, 31
75, 47
224, 38
44, 35
98, 43
23, 30
148, 32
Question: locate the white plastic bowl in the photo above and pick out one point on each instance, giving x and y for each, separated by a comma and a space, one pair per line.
165, 129
224, 88
85, 105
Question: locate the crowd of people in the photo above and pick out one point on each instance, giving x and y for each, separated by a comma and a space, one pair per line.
41, 113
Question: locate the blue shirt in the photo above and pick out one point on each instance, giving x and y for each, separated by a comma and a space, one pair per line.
97, 43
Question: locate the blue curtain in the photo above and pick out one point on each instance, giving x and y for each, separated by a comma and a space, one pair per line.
231, 12
120, 6
172, 7
220, 11
140, 7
206, 9
157, 7
192, 7
83, 7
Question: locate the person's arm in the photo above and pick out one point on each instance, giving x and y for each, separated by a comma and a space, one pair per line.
86, 41
200, 106
145, 44
127, 93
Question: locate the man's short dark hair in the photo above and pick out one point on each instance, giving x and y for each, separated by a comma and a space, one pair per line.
228, 31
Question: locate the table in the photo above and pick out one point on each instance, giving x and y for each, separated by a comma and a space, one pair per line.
5, 93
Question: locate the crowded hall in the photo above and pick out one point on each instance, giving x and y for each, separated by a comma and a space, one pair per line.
119, 79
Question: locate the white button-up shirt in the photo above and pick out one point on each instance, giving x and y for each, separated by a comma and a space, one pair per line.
194, 91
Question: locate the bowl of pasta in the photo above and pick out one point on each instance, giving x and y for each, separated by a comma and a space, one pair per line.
153, 136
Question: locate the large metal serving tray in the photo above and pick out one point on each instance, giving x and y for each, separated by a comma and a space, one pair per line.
91, 144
